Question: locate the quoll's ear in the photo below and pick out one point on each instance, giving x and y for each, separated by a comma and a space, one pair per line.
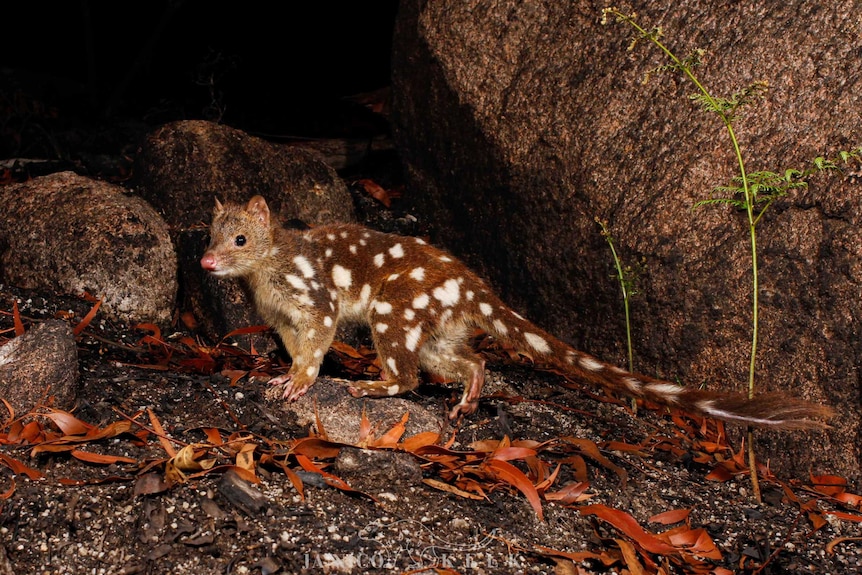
219, 208
258, 209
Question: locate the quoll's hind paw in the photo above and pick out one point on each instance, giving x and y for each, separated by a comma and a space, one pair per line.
463, 409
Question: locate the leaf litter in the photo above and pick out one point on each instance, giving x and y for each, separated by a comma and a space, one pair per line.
559, 471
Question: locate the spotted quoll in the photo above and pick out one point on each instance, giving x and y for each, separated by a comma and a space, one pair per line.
421, 305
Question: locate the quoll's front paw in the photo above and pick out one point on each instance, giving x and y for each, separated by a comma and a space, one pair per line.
277, 386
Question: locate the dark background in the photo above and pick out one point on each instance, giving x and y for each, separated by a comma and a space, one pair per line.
100, 69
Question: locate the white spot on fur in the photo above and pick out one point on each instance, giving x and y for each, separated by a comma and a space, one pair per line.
393, 277
330, 237
393, 389
304, 299
310, 371
328, 252
304, 266
420, 301
445, 259
668, 391
500, 327
393, 369
318, 353
469, 295
364, 294
327, 321
590, 364
311, 333
418, 274
352, 248
413, 337
409, 314
448, 293
420, 241
381, 327
382, 307
396, 251
633, 384
516, 314
362, 242
485, 309
537, 342
341, 276
343, 235
296, 282
379, 259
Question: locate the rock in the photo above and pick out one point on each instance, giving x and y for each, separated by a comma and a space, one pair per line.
374, 471
40, 367
183, 166
73, 235
519, 123
340, 414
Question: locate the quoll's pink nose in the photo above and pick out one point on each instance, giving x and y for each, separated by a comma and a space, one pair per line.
208, 262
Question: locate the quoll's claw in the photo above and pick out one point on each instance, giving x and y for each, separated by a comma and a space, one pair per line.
356, 392
281, 379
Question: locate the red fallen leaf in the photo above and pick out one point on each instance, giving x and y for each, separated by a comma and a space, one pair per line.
100, 458
245, 331
830, 547
19, 468
155, 333
850, 499
817, 520
332, 480
630, 556
507, 472
391, 437
376, 191
719, 473
670, 517
591, 450
568, 494
844, 516
234, 375
578, 556
160, 432
316, 447
510, 453
423, 439
213, 435
68, 423
87, 319
16, 319
627, 525
695, 541
189, 320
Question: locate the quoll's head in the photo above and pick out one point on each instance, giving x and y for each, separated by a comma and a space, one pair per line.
240, 237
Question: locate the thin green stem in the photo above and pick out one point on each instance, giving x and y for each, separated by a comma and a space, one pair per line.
623, 286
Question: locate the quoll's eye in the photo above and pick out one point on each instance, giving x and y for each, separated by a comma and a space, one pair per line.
239, 240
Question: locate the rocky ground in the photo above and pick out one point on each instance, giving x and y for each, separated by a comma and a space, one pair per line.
378, 500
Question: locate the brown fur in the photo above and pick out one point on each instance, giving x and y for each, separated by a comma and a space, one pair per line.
421, 305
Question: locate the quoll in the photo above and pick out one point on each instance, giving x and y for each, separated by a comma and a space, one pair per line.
421, 305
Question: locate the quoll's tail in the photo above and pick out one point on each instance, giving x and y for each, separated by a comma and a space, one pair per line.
769, 410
